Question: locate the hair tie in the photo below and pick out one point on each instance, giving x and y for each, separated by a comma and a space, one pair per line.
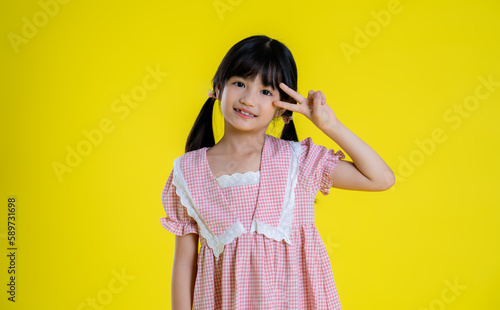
287, 119
211, 94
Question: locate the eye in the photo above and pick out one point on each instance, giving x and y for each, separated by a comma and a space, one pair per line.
265, 90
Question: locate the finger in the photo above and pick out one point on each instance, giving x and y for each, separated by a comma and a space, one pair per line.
317, 102
286, 105
311, 94
323, 98
295, 95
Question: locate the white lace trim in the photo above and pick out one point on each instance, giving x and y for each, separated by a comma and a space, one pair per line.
215, 243
282, 232
235, 179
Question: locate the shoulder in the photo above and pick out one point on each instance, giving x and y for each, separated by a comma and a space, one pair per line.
310, 152
191, 154
284, 143
307, 141
308, 146
188, 160
300, 148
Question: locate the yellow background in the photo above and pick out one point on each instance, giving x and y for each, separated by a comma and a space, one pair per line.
395, 249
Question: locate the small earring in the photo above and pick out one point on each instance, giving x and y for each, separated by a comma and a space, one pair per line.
287, 119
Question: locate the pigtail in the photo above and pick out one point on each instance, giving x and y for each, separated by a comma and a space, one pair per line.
289, 132
202, 134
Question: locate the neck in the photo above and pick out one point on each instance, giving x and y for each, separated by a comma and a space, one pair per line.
241, 141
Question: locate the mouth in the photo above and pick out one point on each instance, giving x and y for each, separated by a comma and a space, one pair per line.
244, 113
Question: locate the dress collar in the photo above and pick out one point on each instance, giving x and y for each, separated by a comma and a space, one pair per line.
206, 203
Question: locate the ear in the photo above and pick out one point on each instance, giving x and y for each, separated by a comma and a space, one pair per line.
279, 111
217, 92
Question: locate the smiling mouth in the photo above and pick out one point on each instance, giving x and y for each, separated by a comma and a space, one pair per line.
245, 113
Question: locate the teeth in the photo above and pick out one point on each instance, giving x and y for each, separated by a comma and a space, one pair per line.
245, 113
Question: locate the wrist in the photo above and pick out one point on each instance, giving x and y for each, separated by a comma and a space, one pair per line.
333, 125
332, 129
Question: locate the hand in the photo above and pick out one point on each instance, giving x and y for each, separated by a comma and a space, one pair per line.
313, 107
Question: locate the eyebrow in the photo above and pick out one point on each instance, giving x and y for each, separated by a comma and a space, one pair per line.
242, 78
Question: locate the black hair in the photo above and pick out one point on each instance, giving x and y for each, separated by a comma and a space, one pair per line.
258, 54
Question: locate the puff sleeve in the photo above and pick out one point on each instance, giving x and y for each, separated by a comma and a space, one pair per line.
177, 221
316, 165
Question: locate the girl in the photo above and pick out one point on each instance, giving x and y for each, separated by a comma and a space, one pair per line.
249, 199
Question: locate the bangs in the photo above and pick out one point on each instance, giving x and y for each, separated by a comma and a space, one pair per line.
249, 65
259, 55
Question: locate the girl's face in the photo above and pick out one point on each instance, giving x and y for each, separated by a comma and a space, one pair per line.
257, 99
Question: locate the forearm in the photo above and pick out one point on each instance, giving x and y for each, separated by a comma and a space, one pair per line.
366, 160
183, 281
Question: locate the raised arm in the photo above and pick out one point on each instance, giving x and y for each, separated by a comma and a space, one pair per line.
367, 172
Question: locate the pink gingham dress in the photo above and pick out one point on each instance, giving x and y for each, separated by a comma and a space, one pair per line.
259, 245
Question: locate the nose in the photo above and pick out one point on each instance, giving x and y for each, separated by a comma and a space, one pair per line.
248, 98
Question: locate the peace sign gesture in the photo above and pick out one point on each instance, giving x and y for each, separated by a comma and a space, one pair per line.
313, 107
